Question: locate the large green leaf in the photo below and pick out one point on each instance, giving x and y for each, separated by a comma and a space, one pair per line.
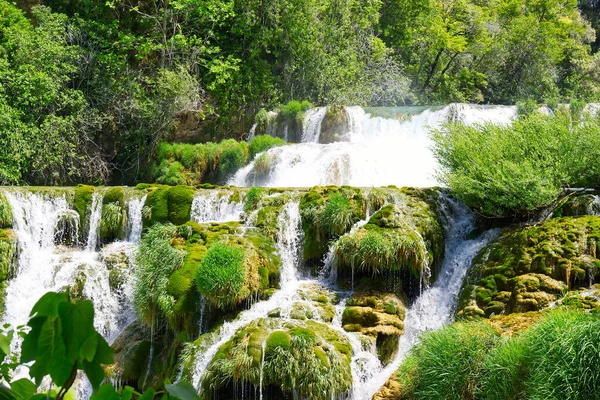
106, 392
182, 391
51, 356
78, 327
29, 348
94, 372
5, 342
48, 304
23, 387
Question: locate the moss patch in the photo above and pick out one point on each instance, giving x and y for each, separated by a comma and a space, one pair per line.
307, 358
529, 268
6, 217
402, 241
327, 213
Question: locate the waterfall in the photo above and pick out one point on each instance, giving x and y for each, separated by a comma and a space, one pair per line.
95, 215
45, 264
288, 247
215, 207
134, 219
311, 129
391, 149
433, 308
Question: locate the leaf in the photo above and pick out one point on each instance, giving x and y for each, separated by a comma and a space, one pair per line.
127, 393
48, 304
23, 387
94, 372
29, 347
104, 354
5, 342
182, 391
88, 348
7, 394
148, 395
106, 392
78, 327
51, 355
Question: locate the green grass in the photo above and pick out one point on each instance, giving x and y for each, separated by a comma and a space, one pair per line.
255, 194
221, 277
337, 215
557, 358
156, 260
5, 212
263, 143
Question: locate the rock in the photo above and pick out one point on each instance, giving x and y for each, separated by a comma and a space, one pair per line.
530, 268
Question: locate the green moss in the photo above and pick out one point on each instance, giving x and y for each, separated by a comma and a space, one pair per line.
327, 213
528, 268
82, 202
401, 240
6, 217
157, 202
279, 339
335, 125
255, 194
308, 358
180, 204
114, 195
8, 248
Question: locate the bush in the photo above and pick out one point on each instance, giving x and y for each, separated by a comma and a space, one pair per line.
232, 158
337, 215
515, 170
293, 108
263, 143
221, 277
255, 194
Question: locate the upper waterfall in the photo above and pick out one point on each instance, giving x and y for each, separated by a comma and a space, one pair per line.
373, 147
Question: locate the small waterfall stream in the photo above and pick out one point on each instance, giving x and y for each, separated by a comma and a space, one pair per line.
215, 207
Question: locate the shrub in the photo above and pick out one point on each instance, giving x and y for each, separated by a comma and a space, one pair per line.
232, 158
263, 143
515, 170
5, 212
293, 108
221, 277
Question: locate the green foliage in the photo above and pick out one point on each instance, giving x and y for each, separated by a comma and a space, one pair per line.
156, 260
82, 202
336, 216
180, 204
112, 220
6, 217
554, 359
294, 108
253, 198
262, 143
445, 364
222, 276
62, 339
515, 170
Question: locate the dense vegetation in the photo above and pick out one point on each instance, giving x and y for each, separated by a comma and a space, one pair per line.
515, 170
88, 89
555, 359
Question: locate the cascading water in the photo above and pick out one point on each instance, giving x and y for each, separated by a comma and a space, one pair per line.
288, 246
312, 124
380, 151
433, 308
215, 207
135, 207
45, 264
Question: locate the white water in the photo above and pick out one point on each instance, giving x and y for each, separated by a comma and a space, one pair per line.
311, 129
134, 219
95, 214
213, 206
433, 308
380, 151
44, 266
289, 231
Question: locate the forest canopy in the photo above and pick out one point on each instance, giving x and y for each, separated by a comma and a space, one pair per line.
89, 88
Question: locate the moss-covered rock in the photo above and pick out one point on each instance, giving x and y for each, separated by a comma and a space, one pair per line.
6, 217
167, 204
82, 202
67, 228
403, 241
314, 302
260, 267
529, 268
335, 125
307, 358
8, 249
327, 213
112, 223
378, 316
